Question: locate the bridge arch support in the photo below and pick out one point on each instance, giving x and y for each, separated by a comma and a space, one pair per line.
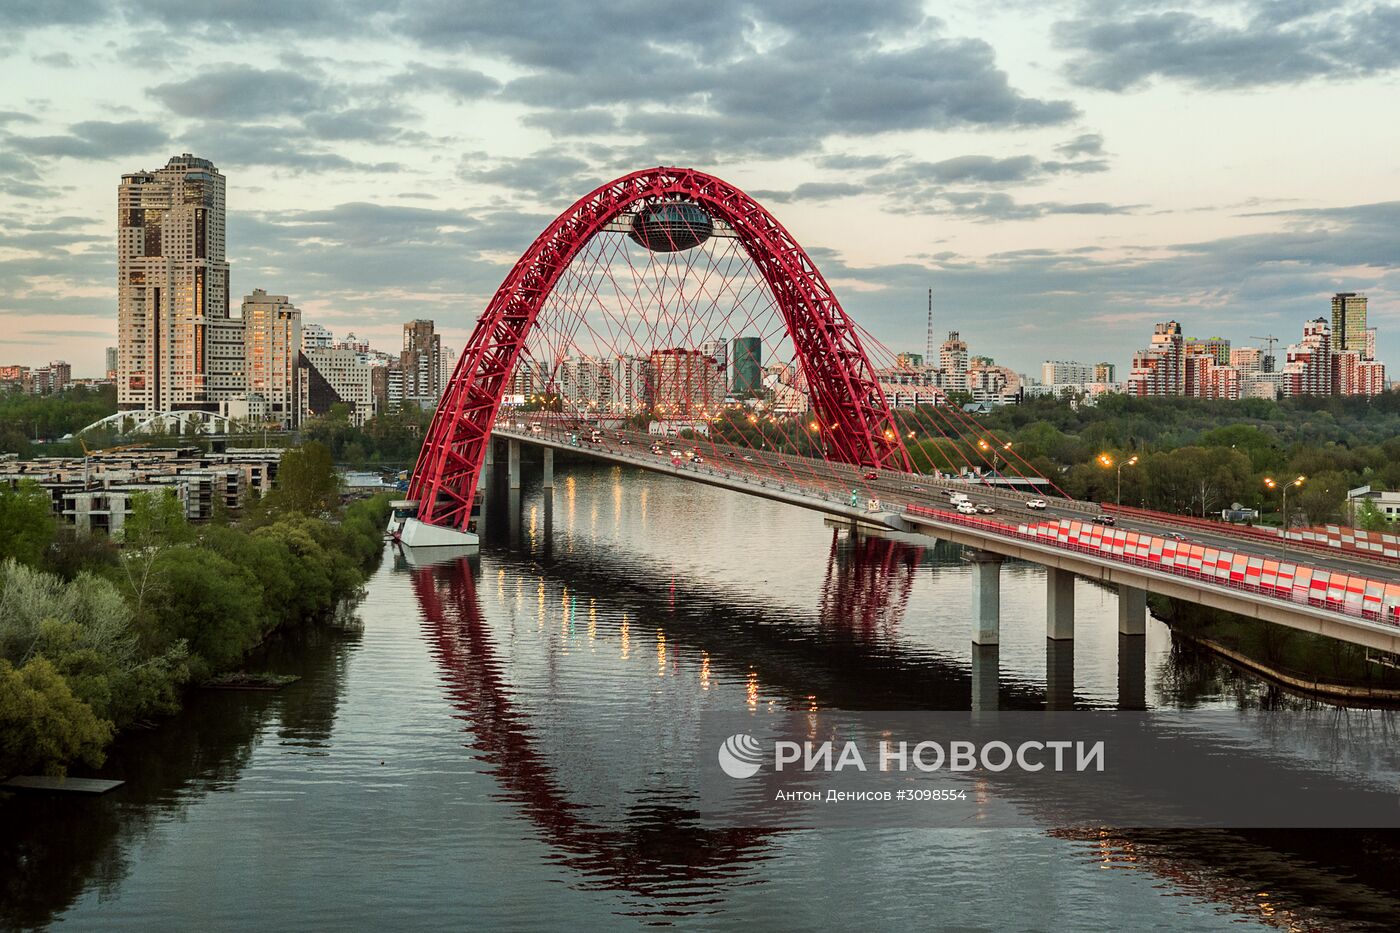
842, 385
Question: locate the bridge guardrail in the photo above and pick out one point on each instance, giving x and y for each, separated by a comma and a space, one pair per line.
1343, 594
1247, 531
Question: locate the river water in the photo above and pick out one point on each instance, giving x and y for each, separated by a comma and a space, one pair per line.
480, 745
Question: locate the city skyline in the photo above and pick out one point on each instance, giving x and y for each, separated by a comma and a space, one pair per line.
998, 156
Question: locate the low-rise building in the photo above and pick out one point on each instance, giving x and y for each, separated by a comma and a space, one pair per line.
96, 493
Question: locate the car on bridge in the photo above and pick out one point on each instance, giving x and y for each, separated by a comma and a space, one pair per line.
1103, 518
967, 508
985, 509
1035, 503
871, 474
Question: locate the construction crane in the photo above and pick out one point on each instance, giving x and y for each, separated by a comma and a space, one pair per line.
1272, 341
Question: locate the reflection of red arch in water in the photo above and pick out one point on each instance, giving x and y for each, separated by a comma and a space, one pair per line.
867, 589
666, 852
845, 393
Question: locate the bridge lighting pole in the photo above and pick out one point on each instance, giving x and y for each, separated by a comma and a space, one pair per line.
1270, 482
1108, 462
995, 450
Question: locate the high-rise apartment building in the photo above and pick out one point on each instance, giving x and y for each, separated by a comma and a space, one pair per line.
316, 337
1065, 372
1217, 348
421, 362
953, 361
629, 385
1349, 321
1105, 373
1247, 359
1308, 370
175, 341
1160, 369
746, 361
332, 376
685, 384
718, 350
272, 343
111, 363
585, 383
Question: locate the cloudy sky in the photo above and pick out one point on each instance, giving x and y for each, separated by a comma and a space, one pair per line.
1061, 174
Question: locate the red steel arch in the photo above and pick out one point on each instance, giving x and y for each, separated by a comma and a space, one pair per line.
857, 425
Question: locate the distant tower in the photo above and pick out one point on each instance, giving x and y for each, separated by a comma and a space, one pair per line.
928, 339
177, 347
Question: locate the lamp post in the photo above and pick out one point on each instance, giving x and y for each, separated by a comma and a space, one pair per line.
1270, 482
1107, 461
995, 451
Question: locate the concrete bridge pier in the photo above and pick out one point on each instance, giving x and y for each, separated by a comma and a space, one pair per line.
1059, 673
513, 462
1132, 610
548, 469
986, 678
1059, 604
483, 486
1132, 672
986, 596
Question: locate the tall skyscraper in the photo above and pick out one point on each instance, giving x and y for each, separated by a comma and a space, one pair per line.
718, 350
271, 348
421, 361
176, 345
111, 367
1161, 368
1309, 368
747, 363
952, 359
1349, 321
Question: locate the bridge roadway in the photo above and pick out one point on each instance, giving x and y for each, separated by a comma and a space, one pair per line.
919, 503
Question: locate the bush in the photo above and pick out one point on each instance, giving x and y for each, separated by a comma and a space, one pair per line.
42, 724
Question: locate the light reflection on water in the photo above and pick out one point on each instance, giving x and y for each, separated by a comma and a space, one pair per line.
507, 743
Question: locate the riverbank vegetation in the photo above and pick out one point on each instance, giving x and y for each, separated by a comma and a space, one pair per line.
1328, 665
96, 636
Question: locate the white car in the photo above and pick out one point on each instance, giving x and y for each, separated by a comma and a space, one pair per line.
1035, 503
967, 508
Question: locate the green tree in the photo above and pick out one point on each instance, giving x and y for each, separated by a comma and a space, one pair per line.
306, 481
1370, 518
26, 522
155, 519
42, 724
209, 603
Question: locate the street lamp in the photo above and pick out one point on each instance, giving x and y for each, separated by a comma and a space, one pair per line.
1107, 461
1270, 482
994, 450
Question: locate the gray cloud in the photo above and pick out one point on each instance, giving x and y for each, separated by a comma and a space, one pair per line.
812, 191
1248, 44
1086, 144
219, 18
708, 88
245, 92
547, 176
241, 145
377, 123
95, 139
459, 83
31, 14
